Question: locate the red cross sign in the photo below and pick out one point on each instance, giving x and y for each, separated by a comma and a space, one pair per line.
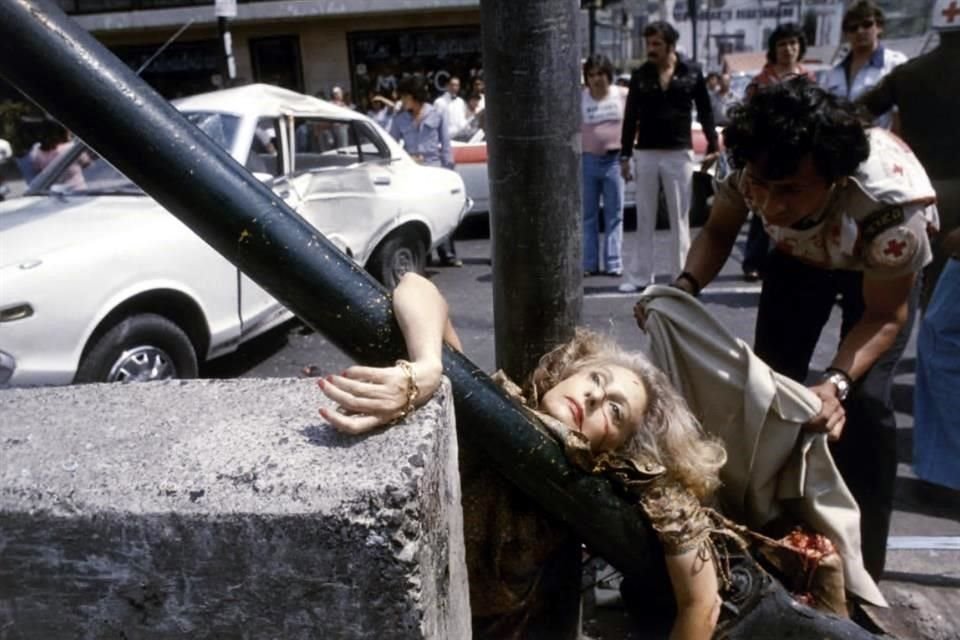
895, 248
951, 12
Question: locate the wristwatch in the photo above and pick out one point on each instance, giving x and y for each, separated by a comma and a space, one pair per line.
840, 380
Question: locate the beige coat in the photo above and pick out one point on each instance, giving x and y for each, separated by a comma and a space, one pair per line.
773, 467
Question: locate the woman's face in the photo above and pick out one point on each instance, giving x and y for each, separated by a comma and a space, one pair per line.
604, 402
597, 80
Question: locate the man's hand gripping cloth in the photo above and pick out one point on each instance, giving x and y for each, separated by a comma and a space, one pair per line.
774, 468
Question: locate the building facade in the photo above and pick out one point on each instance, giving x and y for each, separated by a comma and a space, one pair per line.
305, 45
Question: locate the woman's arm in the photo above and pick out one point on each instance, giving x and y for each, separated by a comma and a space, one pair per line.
375, 396
694, 581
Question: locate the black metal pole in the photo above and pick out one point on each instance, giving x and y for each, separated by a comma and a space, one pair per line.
226, 41
531, 58
531, 62
592, 28
692, 12
95, 95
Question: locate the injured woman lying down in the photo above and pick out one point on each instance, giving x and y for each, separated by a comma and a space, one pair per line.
618, 415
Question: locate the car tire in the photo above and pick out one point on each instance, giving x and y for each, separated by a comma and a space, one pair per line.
399, 253
139, 348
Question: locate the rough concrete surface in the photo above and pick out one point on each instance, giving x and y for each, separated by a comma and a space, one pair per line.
224, 509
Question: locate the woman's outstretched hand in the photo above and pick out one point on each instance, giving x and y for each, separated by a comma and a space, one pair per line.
371, 397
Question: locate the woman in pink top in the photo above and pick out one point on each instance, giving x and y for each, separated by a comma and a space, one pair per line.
602, 110
55, 141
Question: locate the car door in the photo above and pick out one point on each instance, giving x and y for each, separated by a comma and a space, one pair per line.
343, 177
268, 160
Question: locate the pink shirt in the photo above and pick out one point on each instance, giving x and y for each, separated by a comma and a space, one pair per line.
602, 120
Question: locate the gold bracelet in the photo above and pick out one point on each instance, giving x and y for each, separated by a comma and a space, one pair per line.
413, 390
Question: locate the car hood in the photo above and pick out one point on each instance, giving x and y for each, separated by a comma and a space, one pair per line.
32, 227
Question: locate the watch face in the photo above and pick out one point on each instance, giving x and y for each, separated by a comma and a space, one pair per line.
841, 384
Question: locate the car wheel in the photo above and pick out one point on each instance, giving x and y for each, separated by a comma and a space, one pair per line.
398, 254
140, 348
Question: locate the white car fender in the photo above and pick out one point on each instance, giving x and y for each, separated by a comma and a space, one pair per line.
226, 333
400, 220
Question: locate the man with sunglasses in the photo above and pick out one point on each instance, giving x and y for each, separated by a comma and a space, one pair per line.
868, 61
847, 209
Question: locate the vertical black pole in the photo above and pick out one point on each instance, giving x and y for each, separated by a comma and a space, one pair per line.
226, 40
592, 28
692, 12
531, 65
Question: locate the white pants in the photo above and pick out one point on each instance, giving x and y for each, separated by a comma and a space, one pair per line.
674, 168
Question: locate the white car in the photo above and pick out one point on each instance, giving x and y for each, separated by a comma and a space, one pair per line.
99, 283
471, 163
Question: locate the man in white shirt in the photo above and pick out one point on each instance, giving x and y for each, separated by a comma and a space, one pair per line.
868, 61
454, 106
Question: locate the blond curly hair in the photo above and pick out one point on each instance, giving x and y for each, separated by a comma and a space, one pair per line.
667, 431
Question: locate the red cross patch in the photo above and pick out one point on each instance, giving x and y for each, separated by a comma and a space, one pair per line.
895, 248
898, 170
951, 12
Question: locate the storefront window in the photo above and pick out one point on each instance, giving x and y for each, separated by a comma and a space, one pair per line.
378, 59
183, 69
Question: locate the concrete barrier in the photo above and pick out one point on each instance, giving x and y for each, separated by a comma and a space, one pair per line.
225, 509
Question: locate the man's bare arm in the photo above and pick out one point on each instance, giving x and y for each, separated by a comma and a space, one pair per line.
712, 246
886, 305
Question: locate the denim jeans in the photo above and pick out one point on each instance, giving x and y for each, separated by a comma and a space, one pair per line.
601, 177
936, 406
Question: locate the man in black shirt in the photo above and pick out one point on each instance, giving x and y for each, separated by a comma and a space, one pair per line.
657, 122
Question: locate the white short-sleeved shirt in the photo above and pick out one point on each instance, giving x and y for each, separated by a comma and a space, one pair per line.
876, 221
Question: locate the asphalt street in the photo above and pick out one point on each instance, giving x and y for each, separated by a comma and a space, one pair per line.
922, 581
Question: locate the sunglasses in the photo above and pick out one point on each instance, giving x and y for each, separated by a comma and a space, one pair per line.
853, 26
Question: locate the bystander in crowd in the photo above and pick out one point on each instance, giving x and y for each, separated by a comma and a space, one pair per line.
422, 129
722, 99
868, 60
454, 107
656, 138
474, 118
602, 106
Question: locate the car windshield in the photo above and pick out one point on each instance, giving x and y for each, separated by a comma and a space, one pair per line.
79, 170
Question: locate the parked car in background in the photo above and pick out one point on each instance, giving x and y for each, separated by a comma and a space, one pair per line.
471, 163
99, 283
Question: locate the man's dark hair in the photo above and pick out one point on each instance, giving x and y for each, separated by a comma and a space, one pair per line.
601, 63
782, 123
414, 86
663, 29
784, 32
862, 10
